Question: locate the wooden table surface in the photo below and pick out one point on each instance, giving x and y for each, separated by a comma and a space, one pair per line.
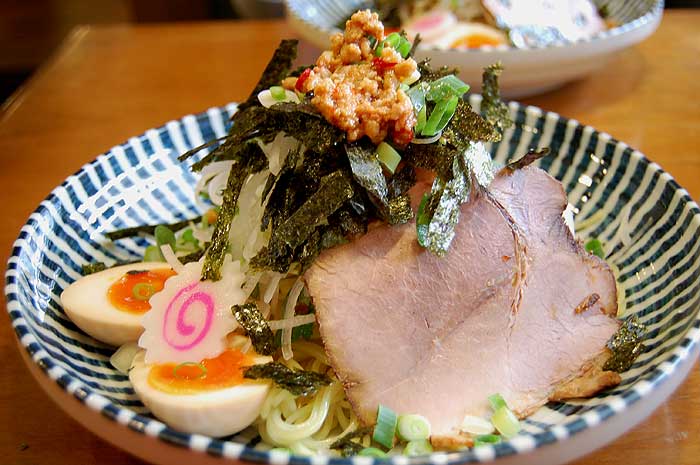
109, 83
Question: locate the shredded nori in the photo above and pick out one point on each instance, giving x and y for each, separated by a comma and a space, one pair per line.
626, 345
298, 382
149, 229
90, 268
492, 108
255, 325
347, 446
530, 157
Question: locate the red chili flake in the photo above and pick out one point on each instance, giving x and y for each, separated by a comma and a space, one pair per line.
302, 79
382, 65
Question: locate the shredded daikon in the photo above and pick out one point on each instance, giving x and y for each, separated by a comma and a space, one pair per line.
292, 322
171, 258
289, 307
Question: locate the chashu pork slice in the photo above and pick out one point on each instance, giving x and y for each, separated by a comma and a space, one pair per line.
437, 336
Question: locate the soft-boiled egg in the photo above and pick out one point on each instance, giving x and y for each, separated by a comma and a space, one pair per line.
109, 305
209, 397
470, 35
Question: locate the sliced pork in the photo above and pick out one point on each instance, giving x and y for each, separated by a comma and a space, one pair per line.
515, 307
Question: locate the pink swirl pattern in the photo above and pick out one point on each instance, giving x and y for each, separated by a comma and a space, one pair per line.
178, 309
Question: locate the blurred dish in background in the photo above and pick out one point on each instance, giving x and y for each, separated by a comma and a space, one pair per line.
543, 44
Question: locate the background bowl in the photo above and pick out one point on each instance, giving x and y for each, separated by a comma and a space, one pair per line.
648, 223
530, 70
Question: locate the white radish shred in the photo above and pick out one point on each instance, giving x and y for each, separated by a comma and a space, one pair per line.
122, 358
272, 287
216, 188
250, 283
299, 320
289, 307
476, 425
208, 173
171, 258
428, 140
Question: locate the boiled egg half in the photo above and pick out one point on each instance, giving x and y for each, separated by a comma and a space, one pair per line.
470, 35
209, 397
109, 305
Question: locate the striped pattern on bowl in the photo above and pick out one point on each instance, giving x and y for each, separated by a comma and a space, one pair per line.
649, 224
324, 16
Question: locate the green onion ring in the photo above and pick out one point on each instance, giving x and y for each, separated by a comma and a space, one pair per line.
143, 291
190, 364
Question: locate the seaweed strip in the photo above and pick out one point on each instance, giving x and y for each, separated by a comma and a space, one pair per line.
347, 446
278, 204
149, 229
277, 69
530, 157
468, 126
199, 148
299, 383
90, 268
256, 327
255, 162
492, 107
192, 257
402, 181
626, 345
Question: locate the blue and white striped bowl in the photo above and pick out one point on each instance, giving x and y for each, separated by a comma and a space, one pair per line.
530, 70
626, 198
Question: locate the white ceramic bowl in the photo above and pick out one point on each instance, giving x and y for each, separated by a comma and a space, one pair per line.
529, 70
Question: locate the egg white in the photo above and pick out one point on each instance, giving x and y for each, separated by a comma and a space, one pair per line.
87, 305
215, 413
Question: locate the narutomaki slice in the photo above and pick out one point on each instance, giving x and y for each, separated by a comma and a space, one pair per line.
437, 336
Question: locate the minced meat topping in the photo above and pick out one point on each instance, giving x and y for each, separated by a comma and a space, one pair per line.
358, 91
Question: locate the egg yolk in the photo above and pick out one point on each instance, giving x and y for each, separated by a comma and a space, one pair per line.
131, 292
476, 41
210, 374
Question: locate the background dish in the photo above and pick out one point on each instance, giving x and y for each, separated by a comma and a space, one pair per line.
529, 70
140, 182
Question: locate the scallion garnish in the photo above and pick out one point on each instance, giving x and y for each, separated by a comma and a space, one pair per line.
422, 119
420, 447
449, 112
202, 370
143, 291
164, 236
506, 422
486, 439
393, 39
446, 87
595, 247
385, 428
497, 401
388, 157
434, 119
372, 452
278, 93
152, 254
413, 427
404, 48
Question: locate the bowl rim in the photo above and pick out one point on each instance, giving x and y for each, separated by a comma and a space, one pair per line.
521, 444
654, 13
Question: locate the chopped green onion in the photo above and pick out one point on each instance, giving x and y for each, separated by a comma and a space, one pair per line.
497, 401
152, 254
278, 93
486, 439
422, 117
393, 40
413, 427
450, 108
372, 452
403, 87
595, 247
164, 236
143, 291
446, 87
385, 428
505, 422
404, 48
380, 48
420, 447
388, 157
188, 237
202, 368
417, 96
434, 119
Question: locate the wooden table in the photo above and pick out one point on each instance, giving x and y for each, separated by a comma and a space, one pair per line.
109, 83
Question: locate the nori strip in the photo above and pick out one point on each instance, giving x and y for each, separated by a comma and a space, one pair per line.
492, 108
279, 200
149, 229
467, 126
199, 148
90, 268
399, 210
193, 256
299, 383
333, 191
256, 327
255, 162
626, 345
402, 180
277, 69
530, 157
347, 446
